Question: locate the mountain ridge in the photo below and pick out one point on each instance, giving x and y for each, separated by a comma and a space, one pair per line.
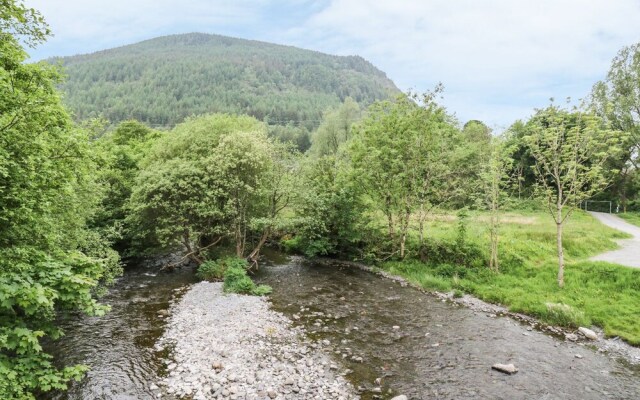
161, 81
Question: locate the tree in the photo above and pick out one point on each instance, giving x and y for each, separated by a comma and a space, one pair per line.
212, 179
399, 155
335, 129
329, 207
617, 101
121, 151
570, 150
495, 180
50, 263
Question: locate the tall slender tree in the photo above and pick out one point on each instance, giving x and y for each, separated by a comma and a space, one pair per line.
570, 149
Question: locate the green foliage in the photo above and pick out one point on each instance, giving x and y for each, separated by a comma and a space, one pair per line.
122, 150
211, 270
297, 136
400, 156
335, 129
236, 279
570, 149
164, 80
23, 23
616, 100
329, 208
51, 265
212, 178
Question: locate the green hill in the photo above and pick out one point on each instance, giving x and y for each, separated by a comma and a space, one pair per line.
161, 81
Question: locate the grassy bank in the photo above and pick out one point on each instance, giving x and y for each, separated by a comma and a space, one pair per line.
631, 217
597, 293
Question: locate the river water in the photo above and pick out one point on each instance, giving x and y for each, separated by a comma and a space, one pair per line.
412, 343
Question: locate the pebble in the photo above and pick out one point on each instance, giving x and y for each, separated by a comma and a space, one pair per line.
265, 355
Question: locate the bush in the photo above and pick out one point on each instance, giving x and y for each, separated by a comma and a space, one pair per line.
236, 279
211, 271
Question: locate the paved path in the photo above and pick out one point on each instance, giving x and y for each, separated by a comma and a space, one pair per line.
629, 253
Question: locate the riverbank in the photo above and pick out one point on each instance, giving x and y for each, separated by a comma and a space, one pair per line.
614, 347
228, 346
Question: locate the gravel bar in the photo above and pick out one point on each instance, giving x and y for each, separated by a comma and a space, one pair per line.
229, 346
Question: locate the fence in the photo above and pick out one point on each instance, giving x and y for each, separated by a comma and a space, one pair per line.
598, 205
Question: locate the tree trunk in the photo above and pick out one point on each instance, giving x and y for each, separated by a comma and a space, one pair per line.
404, 227
253, 257
560, 253
421, 223
493, 261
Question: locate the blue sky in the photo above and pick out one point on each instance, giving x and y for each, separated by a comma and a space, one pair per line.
498, 59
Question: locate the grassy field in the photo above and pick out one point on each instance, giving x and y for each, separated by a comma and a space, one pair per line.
631, 217
598, 293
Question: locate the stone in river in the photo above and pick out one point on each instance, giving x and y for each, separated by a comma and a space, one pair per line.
505, 368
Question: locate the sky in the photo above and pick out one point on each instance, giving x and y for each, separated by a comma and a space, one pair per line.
497, 59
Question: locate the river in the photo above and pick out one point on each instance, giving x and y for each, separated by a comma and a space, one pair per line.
412, 343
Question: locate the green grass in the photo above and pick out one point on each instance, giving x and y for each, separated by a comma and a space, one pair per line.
631, 217
597, 293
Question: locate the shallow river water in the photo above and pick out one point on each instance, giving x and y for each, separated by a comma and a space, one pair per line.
415, 343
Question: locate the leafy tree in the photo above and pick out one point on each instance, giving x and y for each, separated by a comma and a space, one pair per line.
213, 178
521, 172
495, 181
297, 136
399, 156
335, 129
617, 101
570, 149
122, 150
329, 207
50, 263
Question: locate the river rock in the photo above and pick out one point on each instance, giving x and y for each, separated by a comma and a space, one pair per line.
588, 333
401, 397
571, 336
264, 355
505, 368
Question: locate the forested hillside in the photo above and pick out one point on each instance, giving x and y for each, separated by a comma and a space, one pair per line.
161, 81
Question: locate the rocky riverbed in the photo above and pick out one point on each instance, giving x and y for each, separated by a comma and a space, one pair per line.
228, 346
615, 347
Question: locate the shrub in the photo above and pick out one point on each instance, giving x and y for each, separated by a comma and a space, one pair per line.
211, 271
236, 279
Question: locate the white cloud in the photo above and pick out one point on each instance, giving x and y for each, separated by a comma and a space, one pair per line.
493, 56
498, 59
